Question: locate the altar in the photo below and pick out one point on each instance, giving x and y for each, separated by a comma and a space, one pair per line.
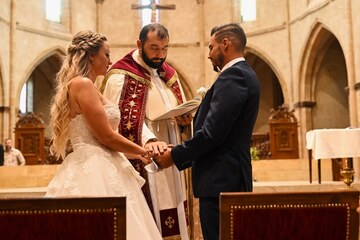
332, 143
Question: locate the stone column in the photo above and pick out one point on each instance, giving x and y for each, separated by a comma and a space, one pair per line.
99, 15
11, 87
351, 84
202, 53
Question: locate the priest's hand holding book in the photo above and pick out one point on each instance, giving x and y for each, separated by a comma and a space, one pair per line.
184, 120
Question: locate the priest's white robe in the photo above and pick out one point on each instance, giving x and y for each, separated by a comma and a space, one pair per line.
167, 186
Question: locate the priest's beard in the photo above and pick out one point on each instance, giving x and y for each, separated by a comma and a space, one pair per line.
150, 62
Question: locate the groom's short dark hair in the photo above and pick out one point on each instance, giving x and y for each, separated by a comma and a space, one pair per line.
233, 31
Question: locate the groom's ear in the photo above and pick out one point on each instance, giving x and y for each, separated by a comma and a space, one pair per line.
225, 43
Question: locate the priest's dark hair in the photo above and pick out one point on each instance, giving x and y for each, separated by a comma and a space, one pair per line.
161, 30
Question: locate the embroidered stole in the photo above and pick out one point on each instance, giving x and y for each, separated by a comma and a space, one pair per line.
132, 105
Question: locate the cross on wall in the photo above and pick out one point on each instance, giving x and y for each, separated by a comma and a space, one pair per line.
153, 6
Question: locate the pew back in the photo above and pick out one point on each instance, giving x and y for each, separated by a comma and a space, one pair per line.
63, 218
289, 215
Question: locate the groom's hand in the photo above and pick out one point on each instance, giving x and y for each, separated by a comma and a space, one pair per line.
164, 160
156, 148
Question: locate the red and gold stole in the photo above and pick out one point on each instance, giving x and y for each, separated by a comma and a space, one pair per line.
133, 100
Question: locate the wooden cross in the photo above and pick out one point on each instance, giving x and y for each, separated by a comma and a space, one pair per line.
153, 6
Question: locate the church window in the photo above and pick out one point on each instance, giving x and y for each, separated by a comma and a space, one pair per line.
146, 12
313, 3
248, 10
26, 96
53, 10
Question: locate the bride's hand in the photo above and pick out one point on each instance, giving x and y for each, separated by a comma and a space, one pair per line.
144, 159
154, 148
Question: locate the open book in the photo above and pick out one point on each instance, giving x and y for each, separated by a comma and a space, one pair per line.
184, 108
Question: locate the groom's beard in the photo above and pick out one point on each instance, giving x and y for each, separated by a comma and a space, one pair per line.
150, 62
218, 61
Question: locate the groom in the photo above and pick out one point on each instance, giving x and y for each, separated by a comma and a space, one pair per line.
219, 151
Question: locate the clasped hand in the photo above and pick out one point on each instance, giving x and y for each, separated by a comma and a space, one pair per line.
159, 152
152, 149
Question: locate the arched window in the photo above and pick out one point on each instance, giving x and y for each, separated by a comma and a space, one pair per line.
146, 13
248, 10
53, 10
26, 96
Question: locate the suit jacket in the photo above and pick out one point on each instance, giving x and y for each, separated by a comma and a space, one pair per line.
219, 151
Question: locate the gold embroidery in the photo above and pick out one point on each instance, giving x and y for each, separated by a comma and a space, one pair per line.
177, 237
128, 125
172, 80
124, 72
131, 138
169, 222
162, 74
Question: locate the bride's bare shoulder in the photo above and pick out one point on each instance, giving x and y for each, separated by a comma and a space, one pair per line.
81, 81
82, 85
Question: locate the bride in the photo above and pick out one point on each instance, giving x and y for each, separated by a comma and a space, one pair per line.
82, 115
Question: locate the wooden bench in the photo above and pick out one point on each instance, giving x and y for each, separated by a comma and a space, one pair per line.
290, 215
63, 218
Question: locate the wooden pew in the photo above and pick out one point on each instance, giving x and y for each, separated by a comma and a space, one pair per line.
63, 218
327, 215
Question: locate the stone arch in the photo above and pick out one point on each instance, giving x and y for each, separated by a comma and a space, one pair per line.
313, 61
188, 91
323, 81
274, 92
42, 74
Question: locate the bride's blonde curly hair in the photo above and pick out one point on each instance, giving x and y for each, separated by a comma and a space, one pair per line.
76, 63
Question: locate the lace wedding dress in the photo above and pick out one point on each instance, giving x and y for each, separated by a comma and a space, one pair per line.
94, 170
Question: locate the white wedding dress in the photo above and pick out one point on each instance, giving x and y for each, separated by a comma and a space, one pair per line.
94, 170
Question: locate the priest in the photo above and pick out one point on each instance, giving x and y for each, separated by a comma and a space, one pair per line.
145, 87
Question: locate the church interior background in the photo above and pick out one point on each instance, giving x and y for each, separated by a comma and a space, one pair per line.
305, 53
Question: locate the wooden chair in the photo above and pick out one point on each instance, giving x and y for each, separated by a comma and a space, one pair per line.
290, 215
29, 137
283, 134
63, 218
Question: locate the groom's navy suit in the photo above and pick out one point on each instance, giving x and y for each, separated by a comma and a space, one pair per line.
219, 151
